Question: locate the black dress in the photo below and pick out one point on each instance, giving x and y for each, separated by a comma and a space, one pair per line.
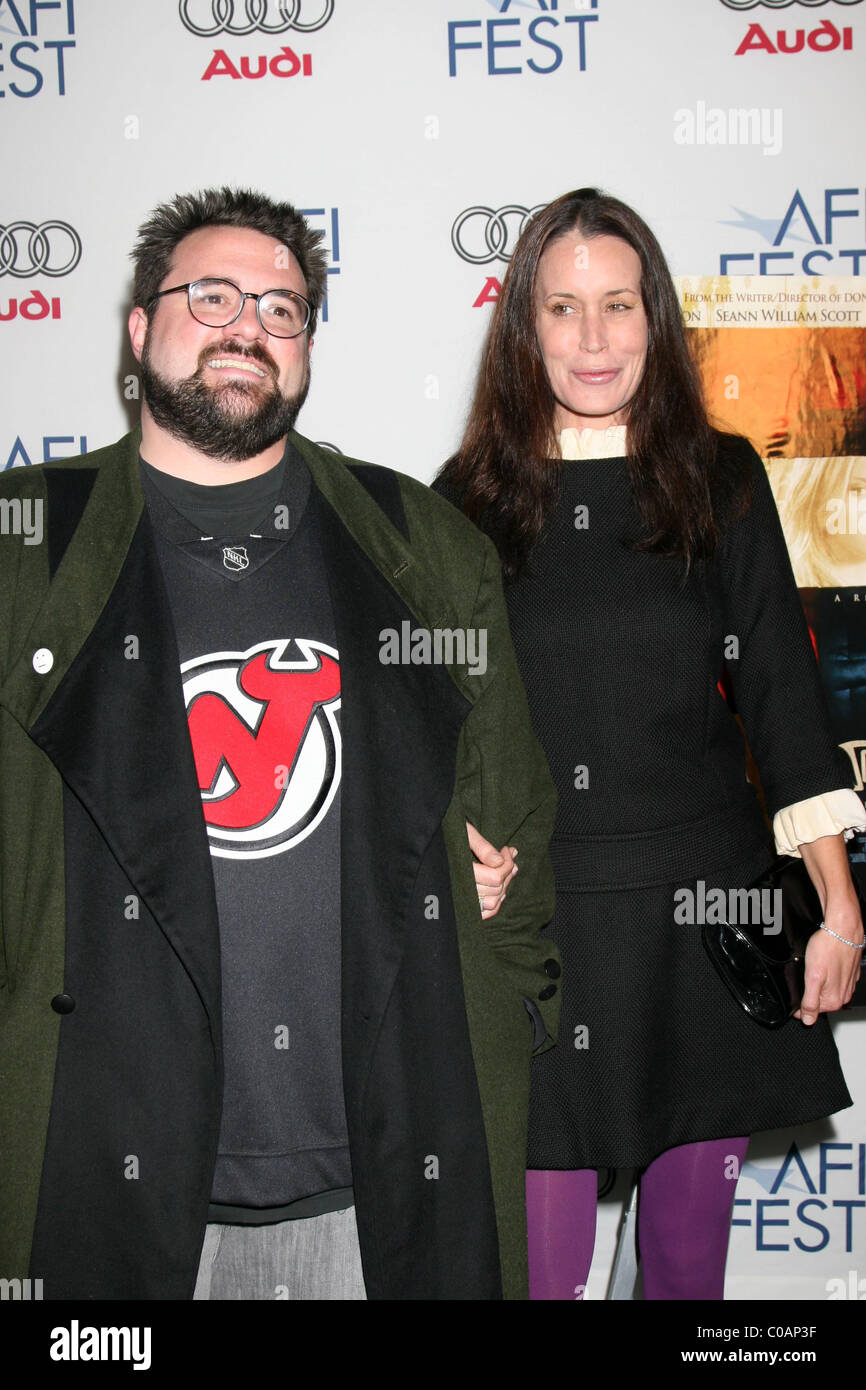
621, 661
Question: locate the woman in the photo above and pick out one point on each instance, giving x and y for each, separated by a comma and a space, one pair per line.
643, 552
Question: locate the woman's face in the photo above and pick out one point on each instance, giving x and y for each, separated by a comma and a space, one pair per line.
592, 328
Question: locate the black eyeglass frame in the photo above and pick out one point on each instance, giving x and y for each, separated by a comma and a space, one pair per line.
245, 295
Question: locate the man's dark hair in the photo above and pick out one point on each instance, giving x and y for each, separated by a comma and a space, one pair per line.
169, 223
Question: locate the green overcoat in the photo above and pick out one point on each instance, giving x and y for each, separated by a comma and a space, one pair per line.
110, 1048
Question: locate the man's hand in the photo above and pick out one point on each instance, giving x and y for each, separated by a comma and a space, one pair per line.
494, 870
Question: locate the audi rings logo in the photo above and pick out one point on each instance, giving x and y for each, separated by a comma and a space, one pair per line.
784, 4
52, 248
238, 17
481, 235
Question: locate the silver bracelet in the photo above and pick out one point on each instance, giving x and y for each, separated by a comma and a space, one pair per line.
857, 945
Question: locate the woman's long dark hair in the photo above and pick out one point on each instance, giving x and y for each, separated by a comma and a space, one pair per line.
506, 471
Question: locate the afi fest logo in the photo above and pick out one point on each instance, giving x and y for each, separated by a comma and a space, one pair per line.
812, 1200
51, 248
267, 19
52, 447
40, 32
481, 235
823, 231
516, 42
266, 742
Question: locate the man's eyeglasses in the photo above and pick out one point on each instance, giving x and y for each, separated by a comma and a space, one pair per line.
217, 303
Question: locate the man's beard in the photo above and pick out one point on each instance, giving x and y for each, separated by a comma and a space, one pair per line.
215, 420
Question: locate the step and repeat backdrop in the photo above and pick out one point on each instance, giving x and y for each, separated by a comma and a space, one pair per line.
420, 137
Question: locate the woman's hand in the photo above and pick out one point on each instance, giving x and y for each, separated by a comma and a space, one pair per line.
832, 967
494, 870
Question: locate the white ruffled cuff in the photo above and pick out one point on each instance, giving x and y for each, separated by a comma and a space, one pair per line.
804, 821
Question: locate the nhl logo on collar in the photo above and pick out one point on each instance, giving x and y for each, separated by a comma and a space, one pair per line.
235, 557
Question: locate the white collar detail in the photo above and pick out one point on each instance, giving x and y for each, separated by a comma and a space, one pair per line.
593, 444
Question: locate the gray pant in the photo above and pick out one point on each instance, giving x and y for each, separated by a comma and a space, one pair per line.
311, 1259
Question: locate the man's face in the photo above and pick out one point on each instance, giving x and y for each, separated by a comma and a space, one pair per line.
228, 392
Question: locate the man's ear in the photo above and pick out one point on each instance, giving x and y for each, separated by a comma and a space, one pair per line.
137, 331
310, 342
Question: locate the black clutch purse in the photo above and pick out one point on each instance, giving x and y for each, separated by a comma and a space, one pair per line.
765, 969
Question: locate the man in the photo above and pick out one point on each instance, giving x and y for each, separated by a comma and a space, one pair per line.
247, 980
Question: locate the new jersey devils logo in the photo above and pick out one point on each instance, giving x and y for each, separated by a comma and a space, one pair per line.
266, 742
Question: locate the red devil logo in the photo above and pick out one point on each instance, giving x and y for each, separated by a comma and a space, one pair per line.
266, 743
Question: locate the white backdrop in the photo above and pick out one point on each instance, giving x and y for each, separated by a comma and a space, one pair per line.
384, 119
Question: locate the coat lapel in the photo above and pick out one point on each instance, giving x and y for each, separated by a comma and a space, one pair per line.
110, 715
400, 729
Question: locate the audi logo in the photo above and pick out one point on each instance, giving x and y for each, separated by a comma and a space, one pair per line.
481, 235
784, 4
238, 17
26, 249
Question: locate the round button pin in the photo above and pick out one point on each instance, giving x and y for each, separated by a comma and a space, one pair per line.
43, 660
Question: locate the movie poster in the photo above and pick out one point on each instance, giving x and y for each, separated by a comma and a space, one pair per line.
784, 362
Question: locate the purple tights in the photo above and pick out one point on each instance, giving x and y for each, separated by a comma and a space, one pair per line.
684, 1218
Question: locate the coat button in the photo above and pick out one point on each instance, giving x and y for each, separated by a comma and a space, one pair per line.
552, 969
63, 1003
548, 992
43, 660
